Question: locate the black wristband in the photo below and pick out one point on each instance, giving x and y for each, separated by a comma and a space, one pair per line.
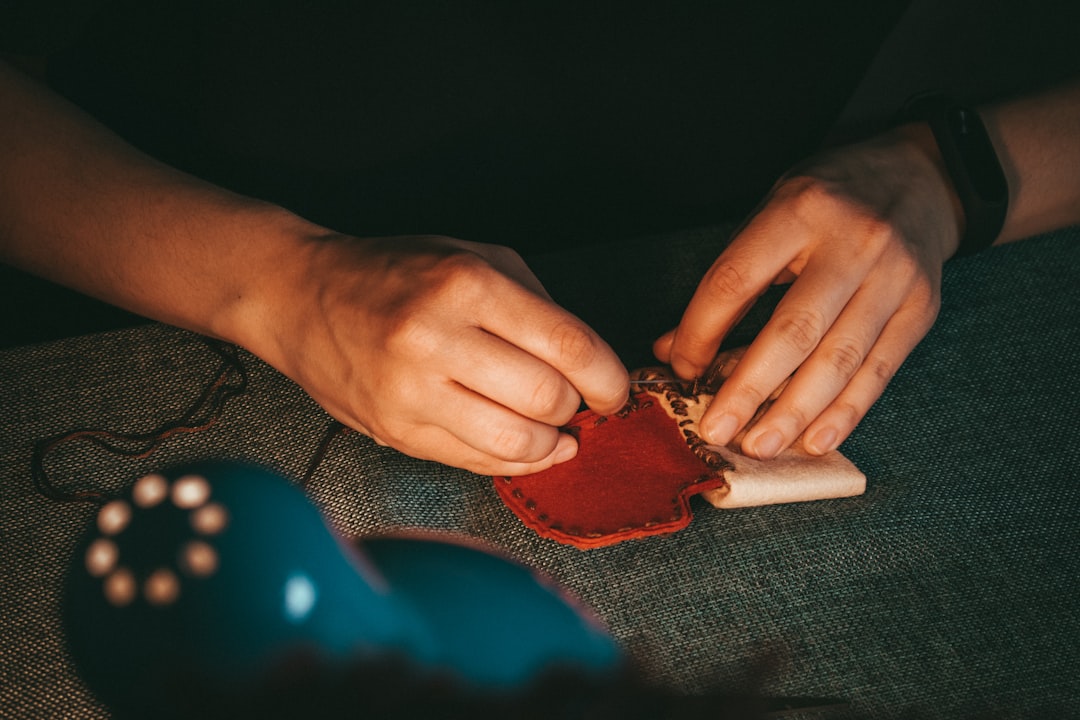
972, 165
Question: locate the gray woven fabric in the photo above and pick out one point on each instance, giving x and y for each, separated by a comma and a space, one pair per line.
948, 590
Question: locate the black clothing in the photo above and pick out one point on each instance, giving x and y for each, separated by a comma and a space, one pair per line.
523, 124
535, 125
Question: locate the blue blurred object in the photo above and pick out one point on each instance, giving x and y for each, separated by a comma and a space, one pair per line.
228, 572
494, 622
222, 570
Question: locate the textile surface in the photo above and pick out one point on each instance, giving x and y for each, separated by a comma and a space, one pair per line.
949, 589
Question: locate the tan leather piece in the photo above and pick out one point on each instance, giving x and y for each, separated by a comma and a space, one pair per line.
793, 476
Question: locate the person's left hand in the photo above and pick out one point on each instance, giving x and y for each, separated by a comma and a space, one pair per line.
863, 231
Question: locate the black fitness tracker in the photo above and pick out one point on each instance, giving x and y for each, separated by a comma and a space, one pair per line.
972, 165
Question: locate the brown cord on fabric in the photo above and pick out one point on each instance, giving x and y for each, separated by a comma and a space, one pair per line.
230, 380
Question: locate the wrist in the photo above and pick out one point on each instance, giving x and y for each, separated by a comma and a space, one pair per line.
972, 166
263, 265
934, 176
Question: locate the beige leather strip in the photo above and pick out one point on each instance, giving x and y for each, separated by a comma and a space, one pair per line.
793, 476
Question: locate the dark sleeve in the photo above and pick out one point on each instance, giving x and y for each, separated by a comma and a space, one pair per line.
533, 124
42, 27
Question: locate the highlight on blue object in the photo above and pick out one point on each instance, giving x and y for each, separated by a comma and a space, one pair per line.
300, 597
222, 570
227, 571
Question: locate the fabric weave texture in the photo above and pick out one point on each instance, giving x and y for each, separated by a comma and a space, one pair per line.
948, 590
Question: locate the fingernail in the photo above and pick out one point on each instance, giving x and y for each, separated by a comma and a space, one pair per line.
720, 430
565, 450
823, 441
767, 446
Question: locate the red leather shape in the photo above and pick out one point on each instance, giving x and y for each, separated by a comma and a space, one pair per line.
633, 477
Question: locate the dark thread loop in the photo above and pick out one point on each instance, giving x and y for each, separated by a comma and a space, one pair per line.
229, 381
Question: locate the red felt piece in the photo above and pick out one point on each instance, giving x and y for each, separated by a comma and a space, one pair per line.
633, 477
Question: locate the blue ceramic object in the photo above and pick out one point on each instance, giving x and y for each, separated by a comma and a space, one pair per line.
496, 623
228, 572
221, 571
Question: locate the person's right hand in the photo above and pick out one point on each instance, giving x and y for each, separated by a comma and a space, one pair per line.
443, 349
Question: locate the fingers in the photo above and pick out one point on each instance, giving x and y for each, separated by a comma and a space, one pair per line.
454, 425
522, 373
565, 449
842, 358
491, 432
439, 419
798, 326
837, 421
432, 442
562, 341
467, 360
841, 378
822, 377
730, 287
515, 369
514, 379
863, 230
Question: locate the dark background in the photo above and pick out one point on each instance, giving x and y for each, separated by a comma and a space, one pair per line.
538, 128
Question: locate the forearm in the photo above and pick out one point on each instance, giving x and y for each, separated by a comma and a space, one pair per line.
84, 209
1037, 139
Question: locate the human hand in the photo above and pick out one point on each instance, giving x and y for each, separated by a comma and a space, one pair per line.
863, 231
444, 349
